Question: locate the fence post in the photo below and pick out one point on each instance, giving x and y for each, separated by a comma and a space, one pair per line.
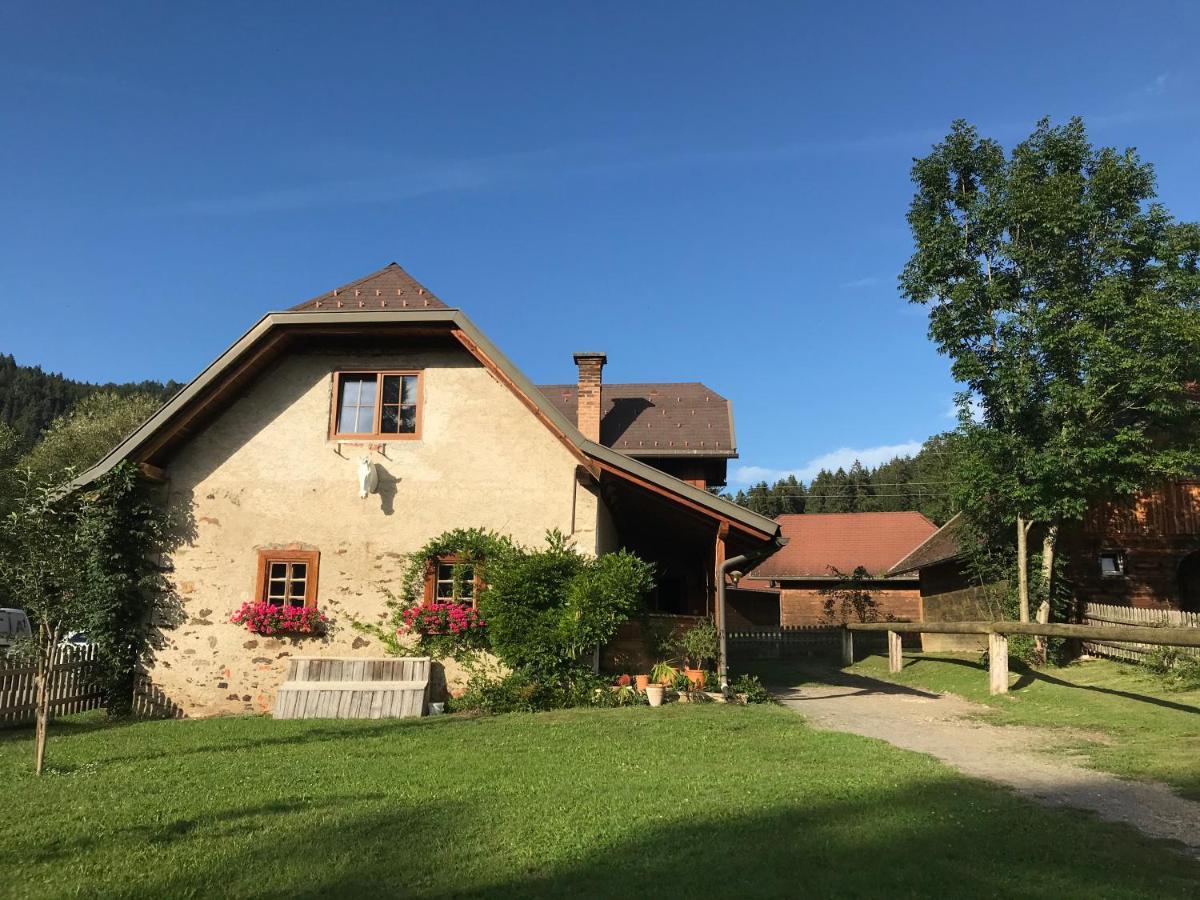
998, 663
847, 647
895, 660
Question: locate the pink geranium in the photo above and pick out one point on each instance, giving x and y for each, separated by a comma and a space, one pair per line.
268, 619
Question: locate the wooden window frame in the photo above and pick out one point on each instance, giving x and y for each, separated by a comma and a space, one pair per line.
431, 579
266, 557
375, 436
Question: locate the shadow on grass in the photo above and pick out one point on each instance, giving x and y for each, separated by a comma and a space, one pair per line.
1027, 675
935, 836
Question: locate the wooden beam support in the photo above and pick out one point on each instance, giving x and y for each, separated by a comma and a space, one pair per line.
152, 473
998, 663
895, 646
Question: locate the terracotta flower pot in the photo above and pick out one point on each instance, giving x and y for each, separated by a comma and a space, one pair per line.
642, 682
695, 676
654, 693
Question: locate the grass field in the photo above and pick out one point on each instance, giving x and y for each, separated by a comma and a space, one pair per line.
1143, 730
680, 801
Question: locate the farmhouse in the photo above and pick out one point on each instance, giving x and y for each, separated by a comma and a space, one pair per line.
335, 438
823, 547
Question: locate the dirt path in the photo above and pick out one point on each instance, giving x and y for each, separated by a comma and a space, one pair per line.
943, 725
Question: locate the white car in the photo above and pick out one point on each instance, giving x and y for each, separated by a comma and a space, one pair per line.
14, 625
77, 640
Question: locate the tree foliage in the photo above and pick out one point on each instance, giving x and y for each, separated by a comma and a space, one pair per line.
1067, 300
923, 482
30, 399
81, 437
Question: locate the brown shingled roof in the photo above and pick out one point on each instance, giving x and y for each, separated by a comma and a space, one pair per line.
821, 542
943, 544
685, 419
389, 288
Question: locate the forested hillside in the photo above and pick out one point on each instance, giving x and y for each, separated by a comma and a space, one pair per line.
924, 482
31, 399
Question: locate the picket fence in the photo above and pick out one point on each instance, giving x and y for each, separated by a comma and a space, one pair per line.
74, 686
1106, 614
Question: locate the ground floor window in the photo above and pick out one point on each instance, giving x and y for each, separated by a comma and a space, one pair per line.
287, 577
450, 580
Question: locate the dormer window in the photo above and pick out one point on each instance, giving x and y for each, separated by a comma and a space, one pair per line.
377, 405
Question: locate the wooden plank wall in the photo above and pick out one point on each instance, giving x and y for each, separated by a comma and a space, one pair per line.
354, 688
74, 686
1108, 614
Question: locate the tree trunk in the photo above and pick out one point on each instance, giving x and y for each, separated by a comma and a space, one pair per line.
1023, 526
1049, 545
44, 670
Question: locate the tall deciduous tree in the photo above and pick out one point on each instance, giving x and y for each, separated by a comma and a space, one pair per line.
1067, 300
93, 427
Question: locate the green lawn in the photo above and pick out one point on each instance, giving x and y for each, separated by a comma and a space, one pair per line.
1144, 731
679, 802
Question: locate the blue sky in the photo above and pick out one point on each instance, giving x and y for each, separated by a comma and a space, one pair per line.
705, 191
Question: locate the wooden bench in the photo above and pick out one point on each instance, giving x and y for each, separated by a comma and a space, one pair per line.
328, 688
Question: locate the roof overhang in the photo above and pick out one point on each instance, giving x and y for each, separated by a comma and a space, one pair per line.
267, 338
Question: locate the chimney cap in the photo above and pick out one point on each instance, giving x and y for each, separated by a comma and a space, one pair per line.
590, 355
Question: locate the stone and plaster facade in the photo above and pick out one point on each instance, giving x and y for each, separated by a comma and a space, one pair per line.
266, 474
248, 460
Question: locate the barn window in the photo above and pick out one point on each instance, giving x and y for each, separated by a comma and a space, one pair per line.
1112, 564
287, 577
378, 405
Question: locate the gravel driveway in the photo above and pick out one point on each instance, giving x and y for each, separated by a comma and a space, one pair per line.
945, 726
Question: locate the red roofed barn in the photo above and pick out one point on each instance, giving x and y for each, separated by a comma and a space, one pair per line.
821, 545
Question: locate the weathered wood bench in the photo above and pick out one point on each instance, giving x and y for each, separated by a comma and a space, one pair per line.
325, 688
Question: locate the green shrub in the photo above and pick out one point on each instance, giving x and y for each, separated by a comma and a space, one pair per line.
517, 692
1179, 671
751, 688
547, 609
700, 644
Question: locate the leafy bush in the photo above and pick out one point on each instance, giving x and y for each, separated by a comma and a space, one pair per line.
267, 619
517, 692
546, 609
1179, 671
700, 644
750, 687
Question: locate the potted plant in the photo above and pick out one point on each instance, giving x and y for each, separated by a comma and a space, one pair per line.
662, 676
699, 644
642, 682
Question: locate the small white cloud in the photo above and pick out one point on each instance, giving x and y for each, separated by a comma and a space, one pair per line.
842, 458
870, 281
1158, 85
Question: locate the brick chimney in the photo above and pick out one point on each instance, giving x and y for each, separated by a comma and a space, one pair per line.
588, 415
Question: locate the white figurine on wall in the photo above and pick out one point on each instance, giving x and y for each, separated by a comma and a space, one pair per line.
368, 477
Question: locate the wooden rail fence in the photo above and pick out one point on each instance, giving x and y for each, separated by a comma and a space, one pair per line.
74, 686
1107, 614
999, 632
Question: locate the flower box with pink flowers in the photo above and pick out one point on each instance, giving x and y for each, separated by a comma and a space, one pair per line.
268, 619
